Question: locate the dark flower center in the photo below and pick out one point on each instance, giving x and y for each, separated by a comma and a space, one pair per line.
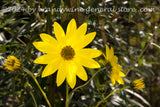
68, 53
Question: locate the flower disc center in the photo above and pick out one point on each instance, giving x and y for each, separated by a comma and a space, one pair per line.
67, 53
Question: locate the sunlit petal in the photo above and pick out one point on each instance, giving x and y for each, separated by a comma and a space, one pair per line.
61, 74
71, 70
87, 62
47, 38
71, 79
51, 67
92, 53
107, 52
71, 28
45, 59
59, 32
120, 81
81, 73
46, 47
82, 29
85, 40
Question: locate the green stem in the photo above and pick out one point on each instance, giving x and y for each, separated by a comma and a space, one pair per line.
30, 73
141, 54
110, 95
66, 94
34, 100
70, 95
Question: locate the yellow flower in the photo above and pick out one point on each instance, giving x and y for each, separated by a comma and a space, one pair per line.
66, 53
12, 63
138, 84
116, 69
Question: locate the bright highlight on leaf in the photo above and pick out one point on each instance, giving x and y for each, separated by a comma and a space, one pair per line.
138, 84
66, 53
12, 63
116, 69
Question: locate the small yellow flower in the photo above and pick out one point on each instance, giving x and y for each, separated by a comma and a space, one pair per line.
138, 84
116, 69
12, 63
66, 53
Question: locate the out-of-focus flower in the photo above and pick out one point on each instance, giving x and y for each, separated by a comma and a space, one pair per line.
138, 84
114, 67
66, 53
12, 63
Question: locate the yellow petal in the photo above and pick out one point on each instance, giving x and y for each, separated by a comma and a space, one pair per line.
121, 74
114, 60
59, 32
120, 80
75, 37
114, 76
71, 69
113, 80
110, 54
71, 28
71, 79
86, 40
117, 68
47, 38
45, 59
61, 74
92, 53
81, 73
41, 46
87, 62
51, 67
46, 47
81, 31
71, 35
107, 52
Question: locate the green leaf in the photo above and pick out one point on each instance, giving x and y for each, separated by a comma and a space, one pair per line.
140, 61
146, 71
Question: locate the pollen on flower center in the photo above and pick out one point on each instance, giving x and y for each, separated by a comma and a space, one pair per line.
67, 53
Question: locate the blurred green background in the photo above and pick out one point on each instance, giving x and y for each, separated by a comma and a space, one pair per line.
131, 27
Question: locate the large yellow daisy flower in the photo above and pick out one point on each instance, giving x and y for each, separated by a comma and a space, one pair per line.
66, 53
116, 69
